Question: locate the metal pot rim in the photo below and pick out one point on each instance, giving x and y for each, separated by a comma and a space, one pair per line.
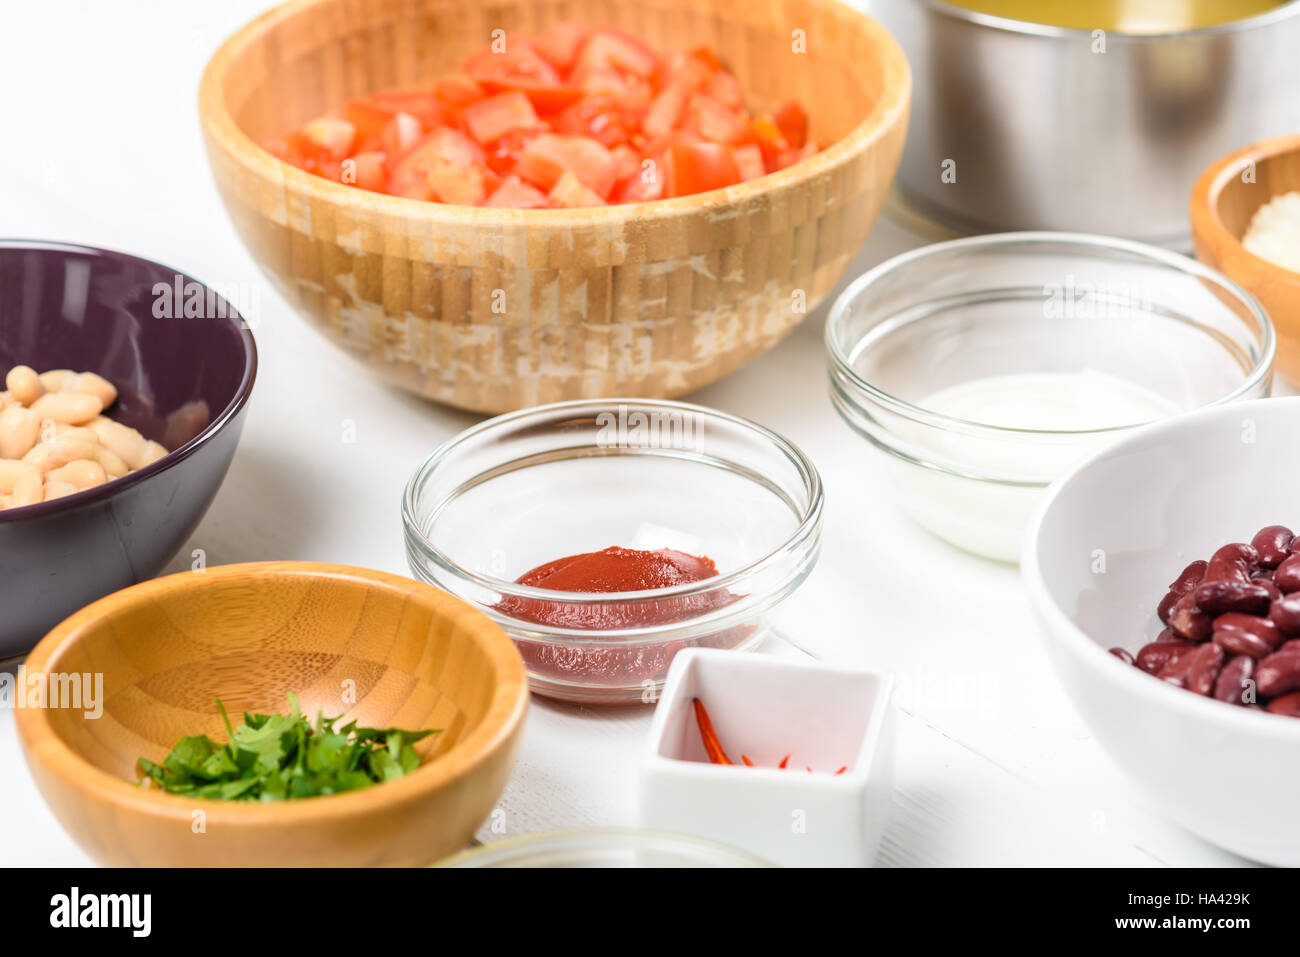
1286, 11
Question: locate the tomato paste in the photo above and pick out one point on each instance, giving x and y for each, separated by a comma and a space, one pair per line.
616, 569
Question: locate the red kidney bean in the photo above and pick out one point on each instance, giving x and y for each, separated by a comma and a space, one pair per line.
1233, 562
1278, 674
1285, 613
1247, 634
1231, 684
1273, 543
1166, 606
1232, 626
1197, 670
1188, 621
1287, 575
1189, 577
1158, 655
1287, 704
1266, 583
1216, 598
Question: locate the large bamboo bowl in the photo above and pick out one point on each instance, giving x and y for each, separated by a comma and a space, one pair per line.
414, 657
651, 299
1223, 202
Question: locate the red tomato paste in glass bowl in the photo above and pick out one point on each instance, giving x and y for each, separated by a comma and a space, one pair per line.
606, 536
616, 569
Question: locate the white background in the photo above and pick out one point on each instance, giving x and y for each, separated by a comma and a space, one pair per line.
101, 145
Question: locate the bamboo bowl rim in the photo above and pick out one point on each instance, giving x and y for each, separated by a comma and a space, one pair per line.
217, 120
1208, 225
504, 714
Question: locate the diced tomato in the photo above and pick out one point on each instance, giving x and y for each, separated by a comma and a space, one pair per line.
749, 161
334, 137
599, 117
725, 88
646, 184
421, 104
459, 185
631, 93
514, 193
400, 135
494, 117
576, 116
366, 171
668, 109
559, 43
789, 157
660, 144
454, 92
368, 118
698, 168
443, 149
504, 153
546, 159
627, 160
791, 120
708, 57
764, 132
713, 121
518, 66
610, 47
665, 110
569, 191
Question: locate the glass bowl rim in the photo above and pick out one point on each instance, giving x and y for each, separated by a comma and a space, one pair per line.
809, 521
1044, 238
512, 848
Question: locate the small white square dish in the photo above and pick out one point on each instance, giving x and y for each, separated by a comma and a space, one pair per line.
766, 709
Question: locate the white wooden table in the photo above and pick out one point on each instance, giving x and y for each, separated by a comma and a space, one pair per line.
102, 146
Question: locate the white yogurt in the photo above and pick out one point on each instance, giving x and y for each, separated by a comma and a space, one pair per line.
988, 517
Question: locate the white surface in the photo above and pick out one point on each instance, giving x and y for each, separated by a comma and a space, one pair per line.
994, 765
819, 716
1090, 564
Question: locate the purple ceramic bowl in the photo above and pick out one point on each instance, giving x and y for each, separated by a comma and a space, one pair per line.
181, 381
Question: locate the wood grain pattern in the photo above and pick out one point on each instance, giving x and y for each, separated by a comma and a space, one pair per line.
412, 656
651, 299
1222, 205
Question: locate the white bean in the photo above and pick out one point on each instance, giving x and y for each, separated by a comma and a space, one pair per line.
122, 439
55, 490
52, 455
19, 428
73, 408
80, 474
91, 383
24, 384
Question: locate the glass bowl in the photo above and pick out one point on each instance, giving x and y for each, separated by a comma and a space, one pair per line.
526, 488
603, 847
987, 367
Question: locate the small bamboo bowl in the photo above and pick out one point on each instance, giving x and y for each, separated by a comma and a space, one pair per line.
495, 310
1222, 205
247, 634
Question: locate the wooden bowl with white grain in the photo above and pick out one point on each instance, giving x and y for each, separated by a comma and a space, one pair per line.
650, 299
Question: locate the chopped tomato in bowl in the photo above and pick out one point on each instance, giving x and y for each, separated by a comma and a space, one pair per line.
575, 116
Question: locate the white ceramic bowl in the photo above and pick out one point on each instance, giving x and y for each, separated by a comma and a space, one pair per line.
1099, 554
766, 707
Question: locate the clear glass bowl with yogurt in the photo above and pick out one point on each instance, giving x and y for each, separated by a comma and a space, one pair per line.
988, 367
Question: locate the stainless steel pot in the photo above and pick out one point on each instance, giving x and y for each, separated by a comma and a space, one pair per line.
1022, 126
